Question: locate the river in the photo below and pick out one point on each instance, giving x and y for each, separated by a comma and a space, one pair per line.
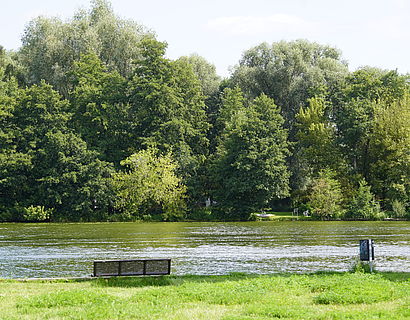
60, 250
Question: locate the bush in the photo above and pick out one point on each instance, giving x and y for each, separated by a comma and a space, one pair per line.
399, 209
202, 214
361, 267
6, 215
325, 196
363, 205
37, 214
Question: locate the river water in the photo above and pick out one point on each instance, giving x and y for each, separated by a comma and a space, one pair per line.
60, 250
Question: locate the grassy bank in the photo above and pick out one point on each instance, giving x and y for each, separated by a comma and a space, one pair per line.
233, 297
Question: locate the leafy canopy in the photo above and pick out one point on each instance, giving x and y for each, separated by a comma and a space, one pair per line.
149, 186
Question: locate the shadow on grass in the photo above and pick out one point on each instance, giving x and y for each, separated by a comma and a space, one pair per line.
175, 280
396, 276
133, 282
160, 281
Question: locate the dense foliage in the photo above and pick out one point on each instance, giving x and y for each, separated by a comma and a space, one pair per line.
149, 186
84, 100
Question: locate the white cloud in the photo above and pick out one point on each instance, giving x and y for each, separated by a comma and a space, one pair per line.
255, 25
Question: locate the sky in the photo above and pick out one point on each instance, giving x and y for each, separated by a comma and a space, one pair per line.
368, 32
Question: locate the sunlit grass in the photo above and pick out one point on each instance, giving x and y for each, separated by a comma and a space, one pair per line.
237, 296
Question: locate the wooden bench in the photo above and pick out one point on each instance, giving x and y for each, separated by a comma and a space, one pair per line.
115, 268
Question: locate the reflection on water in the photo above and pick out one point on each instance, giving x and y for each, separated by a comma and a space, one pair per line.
56, 250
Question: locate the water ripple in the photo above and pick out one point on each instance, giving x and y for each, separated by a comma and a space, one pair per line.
56, 250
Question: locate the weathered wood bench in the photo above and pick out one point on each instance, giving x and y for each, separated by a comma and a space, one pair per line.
114, 268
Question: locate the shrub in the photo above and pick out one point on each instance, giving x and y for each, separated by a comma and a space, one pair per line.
399, 209
37, 214
202, 214
325, 196
363, 205
360, 267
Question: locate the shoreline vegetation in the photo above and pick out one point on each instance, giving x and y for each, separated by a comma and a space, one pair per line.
321, 295
266, 216
97, 124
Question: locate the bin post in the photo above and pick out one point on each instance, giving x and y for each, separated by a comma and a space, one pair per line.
367, 252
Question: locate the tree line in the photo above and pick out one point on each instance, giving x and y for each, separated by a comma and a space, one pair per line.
97, 124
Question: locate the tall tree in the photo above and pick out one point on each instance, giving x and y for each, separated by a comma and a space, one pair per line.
50, 46
51, 165
167, 102
371, 115
210, 85
250, 166
290, 73
100, 109
14, 164
206, 73
316, 148
389, 156
356, 105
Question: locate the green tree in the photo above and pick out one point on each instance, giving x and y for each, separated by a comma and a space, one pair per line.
389, 157
49, 166
232, 102
325, 196
11, 67
149, 186
69, 178
205, 72
316, 148
14, 164
39, 109
250, 166
363, 205
290, 73
355, 110
372, 120
210, 85
100, 109
168, 106
50, 46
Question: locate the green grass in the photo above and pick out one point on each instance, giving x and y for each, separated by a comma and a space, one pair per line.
237, 296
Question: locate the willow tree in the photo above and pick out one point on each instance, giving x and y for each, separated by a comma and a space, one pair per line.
290, 73
50, 46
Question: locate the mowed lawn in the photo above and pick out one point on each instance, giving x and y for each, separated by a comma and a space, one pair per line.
232, 297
